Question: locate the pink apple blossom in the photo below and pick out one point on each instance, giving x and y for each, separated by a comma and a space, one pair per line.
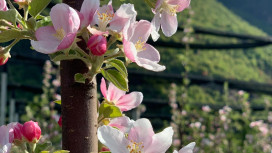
117, 21
60, 121
88, 9
97, 45
206, 108
166, 17
3, 5
31, 131
61, 35
17, 130
6, 138
140, 138
119, 97
187, 149
137, 50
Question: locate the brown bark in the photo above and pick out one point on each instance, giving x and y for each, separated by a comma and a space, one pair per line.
79, 105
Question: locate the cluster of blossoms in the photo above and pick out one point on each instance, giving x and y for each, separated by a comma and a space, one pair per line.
19, 135
107, 34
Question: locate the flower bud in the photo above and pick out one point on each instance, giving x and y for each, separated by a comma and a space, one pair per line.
31, 131
97, 44
3, 5
17, 129
4, 58
60, 122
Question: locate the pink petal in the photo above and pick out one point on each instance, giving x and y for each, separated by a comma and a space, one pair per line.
182, 4
142, 31
88, 10
46, 47
141, 131
67, 41
3, 5
123, 17
169, 24
155, 25
46, 33
158, 4
106, 9
4, 135
188, 148
65, 17
114, 139
161, 141
130, 50
103, 87
149, 53
122, 123
149, 65
129, 101
114, 93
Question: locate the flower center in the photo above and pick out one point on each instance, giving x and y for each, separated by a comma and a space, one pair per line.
170, 9
60, 34
140, 45
104, 19
135, 147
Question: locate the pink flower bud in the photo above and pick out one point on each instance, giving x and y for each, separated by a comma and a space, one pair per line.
4, 58
97, 44
60, 122
17, 129
31, 131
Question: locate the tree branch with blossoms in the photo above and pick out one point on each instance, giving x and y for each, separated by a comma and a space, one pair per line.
89, 39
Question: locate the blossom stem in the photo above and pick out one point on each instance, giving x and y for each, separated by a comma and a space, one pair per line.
4, 51
113, 56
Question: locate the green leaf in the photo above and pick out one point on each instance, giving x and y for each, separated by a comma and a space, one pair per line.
31, 23
45, 21
120, 66
116, 78
62, 151
57, 102
9, 15
37, 6
62, 57
80, 78
9, 35
109, 111
41, 147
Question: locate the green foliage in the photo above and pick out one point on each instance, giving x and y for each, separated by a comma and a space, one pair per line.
109, 111
80, 78
119, 65
37, 6
116, 78
9, 15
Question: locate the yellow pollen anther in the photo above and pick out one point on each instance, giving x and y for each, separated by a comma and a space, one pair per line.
140, 45
105, 17
135, 147
60, 34
171, 9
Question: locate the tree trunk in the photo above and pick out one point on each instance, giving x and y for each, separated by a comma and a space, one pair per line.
79, 105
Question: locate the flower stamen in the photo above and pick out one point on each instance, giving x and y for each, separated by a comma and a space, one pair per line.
140, 45
135, 147
60, 34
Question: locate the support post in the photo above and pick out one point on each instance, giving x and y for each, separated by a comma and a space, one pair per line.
4, 84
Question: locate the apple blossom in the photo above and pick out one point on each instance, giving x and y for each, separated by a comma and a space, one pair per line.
61, 35
31, 131
17, 130
5, 139
97, 45
140, 138
60, 121
117, 21
88, 9
3, 5
187, 149
119, 97
137, 50
22, 3
166, 17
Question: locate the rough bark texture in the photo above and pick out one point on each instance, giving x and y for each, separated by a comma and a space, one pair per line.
79, 105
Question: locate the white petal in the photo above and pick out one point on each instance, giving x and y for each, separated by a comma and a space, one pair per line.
188, 149
114, 139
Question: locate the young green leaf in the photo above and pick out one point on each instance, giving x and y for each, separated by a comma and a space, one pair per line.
8, 35
62, 151
120, 66
80, 78
116, 78
9, 15
57, 102
41, 147
109, 111
37, 6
